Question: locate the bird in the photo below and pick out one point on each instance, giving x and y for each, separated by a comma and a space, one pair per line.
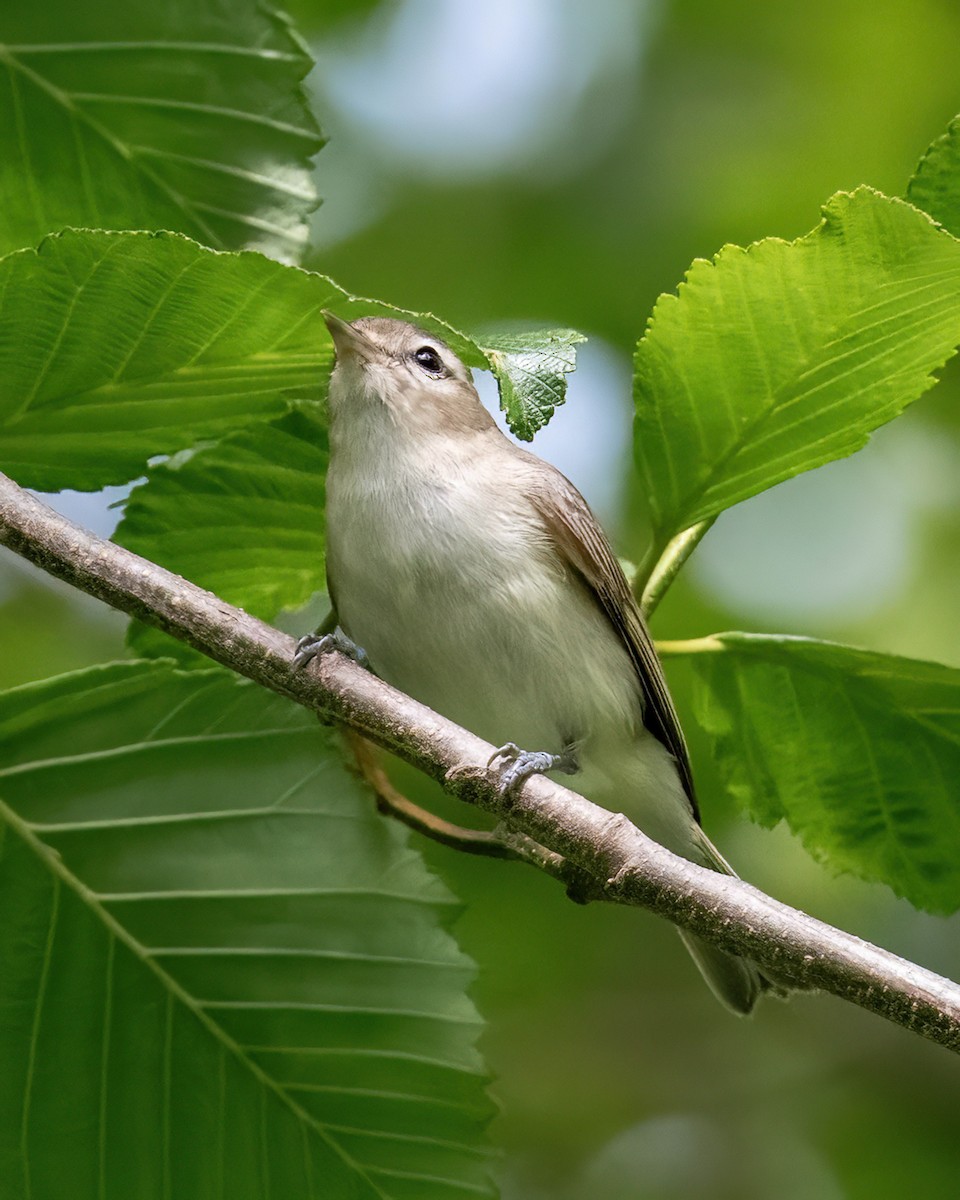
476, 579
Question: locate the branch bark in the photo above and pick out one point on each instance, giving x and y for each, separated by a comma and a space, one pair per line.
596, 853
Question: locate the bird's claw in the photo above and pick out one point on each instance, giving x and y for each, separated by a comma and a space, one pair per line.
521, 764
509, 751
311, 645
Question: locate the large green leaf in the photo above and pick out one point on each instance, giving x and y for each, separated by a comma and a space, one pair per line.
935, 186
858, 752
775, 359
116, 347
221, 972
143, 115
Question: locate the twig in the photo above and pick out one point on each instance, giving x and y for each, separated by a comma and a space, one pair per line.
623, 864
502, 842
393, 803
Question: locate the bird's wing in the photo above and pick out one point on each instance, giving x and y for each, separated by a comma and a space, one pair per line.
584, 548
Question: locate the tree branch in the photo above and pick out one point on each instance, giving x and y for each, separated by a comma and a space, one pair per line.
620, 863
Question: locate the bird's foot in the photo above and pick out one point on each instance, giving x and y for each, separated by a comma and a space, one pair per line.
313, 644
521, 764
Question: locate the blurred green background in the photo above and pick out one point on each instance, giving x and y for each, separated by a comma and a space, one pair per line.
559, 163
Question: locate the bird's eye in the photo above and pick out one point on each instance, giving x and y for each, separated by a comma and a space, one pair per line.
429, 360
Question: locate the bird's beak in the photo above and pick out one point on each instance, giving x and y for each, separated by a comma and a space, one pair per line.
348, 341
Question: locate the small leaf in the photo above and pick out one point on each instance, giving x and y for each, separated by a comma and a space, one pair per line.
223, 974
935, 186
153, 115
858, 752
775, 359
531, 371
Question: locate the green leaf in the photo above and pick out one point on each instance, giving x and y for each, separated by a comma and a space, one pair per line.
145, 115
531, 371
222, 973
935, 186
243, 518
858, 752
775, 359
249, 515
117, 347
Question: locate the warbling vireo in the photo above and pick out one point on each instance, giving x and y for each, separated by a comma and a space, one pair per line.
478, 581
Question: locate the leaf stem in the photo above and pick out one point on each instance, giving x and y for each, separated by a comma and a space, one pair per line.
653, 578
703, 645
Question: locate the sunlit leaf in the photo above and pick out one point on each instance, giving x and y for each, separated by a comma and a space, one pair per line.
118, 347
775, 359
145, 115
935, 186
858, 752
221, 972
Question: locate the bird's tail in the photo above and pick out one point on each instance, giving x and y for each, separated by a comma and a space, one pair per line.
736, 982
